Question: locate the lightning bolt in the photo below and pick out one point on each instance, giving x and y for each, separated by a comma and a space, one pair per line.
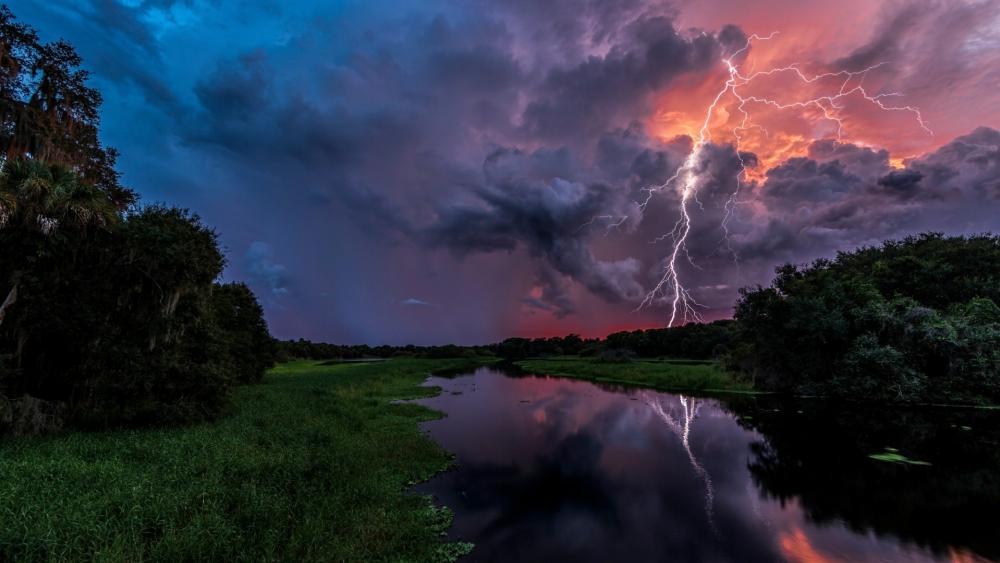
687, 177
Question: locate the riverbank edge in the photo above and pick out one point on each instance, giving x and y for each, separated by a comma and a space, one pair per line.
439, 517
532, 366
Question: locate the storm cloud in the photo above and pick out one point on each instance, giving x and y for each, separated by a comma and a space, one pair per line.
488, 157
844, 195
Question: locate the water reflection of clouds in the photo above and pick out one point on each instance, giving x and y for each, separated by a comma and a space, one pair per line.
554, 468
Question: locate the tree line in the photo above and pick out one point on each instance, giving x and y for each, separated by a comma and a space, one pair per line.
912, 320
696, 341
110, 311
692, 341
302, 349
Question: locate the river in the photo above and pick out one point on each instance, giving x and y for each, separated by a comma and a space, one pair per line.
554, 469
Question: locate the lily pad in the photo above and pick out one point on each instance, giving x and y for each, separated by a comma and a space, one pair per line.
892, 455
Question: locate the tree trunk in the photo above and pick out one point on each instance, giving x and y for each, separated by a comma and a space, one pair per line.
10, 300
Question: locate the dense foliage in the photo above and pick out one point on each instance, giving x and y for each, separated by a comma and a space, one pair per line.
108, 311
117, 319
910, 320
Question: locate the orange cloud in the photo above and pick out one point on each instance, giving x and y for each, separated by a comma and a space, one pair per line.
958, 555
779, 107
935, 57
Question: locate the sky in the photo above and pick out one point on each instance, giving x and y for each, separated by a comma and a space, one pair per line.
468, 170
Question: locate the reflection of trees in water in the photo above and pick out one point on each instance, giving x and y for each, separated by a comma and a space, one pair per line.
817, 453
681, 426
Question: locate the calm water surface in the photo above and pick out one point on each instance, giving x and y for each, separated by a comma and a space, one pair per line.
553, 469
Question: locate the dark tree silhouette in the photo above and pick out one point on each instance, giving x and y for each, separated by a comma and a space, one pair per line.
910, 320
109, 312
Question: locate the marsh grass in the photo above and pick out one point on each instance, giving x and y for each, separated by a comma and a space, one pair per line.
667, 375
310, 465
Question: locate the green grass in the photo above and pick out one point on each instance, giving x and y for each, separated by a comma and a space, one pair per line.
311, 465
668, 375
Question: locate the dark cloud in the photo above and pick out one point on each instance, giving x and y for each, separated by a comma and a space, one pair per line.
629, 155
800, 182
554, 295
902, 183
532, 200
968, 163
602, 91
116, 42
845, 195
856, 160
237, 89
261, 265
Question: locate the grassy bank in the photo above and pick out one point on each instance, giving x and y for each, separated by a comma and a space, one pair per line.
309, 466
667, 375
